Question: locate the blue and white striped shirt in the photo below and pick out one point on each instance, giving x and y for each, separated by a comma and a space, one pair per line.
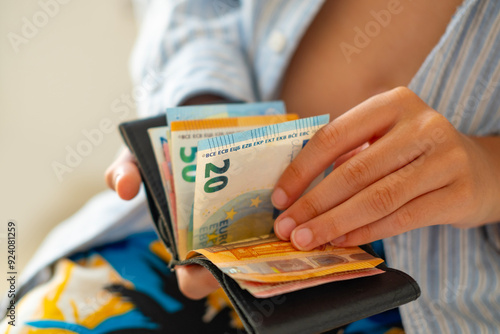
240, 49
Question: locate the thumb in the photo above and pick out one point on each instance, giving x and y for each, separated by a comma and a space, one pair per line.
123, 176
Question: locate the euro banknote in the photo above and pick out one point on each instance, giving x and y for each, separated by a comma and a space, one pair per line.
197, 112
200, 112
235, 176
159, 142
224, 110
184, 137
270, 260
267, 290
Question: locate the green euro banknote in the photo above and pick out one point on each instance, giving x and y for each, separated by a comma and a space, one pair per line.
235, 176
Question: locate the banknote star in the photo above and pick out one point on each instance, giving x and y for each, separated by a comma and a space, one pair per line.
256, 201
230, 214
212, 238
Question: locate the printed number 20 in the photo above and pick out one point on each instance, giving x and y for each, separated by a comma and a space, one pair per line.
219, 182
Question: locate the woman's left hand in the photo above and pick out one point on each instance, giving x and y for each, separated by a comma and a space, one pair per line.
417, 170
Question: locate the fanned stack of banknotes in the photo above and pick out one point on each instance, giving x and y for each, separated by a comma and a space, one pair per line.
218, 165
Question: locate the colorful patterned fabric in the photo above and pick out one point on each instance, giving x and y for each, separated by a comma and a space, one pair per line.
126, 287
123, 287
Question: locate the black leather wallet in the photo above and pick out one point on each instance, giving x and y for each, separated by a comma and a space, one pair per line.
312, 310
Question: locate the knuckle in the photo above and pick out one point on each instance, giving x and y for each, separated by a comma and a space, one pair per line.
404, 218
296, 172
366, 233
382, 201
434, 121
354, 173
311, 206
330, 135
331, 233
402, 93
328, 229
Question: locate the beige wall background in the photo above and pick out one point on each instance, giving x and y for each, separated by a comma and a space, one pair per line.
61, 67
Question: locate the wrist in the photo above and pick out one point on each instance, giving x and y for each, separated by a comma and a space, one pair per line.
489, 155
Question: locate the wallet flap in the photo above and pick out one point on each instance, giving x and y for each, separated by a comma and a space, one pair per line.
320, 308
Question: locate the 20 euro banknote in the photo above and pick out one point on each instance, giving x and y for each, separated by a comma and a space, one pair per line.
235, 175
184, 137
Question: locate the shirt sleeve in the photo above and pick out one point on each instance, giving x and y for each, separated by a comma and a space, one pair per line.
186, 48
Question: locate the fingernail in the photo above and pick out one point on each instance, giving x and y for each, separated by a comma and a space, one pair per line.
302, 237
285, 227
338, 241
279, 198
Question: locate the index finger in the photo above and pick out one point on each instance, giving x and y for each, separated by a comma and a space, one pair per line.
354, 128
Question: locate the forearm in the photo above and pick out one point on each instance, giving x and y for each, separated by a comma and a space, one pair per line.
174, 61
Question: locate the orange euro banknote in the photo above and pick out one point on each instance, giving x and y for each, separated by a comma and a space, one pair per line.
268, 259
267, 290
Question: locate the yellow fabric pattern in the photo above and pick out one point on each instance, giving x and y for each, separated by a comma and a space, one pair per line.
62, 299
